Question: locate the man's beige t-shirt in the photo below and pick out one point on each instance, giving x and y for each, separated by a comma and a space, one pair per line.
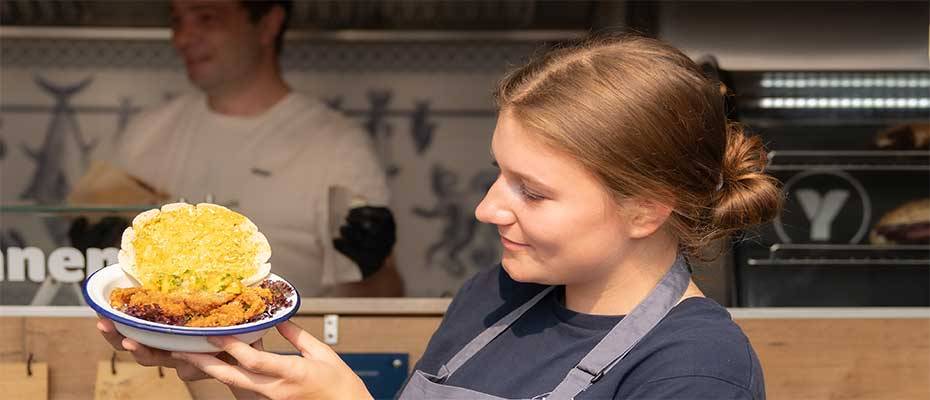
275, 168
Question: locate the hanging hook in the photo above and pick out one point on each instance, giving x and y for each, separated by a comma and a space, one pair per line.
29, 365
113, 363
161, 374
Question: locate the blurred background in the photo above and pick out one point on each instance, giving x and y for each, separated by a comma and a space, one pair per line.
833, 294
839, 90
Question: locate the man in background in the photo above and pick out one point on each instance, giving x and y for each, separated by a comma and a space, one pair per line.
247, 141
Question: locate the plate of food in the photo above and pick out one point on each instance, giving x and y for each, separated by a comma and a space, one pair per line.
187, 272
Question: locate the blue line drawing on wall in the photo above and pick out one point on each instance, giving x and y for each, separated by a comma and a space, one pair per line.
49, 183
380, 130
123, 115
486, 248
421, 128
168, 96
11, 238
2, 143
460, 226
334, 102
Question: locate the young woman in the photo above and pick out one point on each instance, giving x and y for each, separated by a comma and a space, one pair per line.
617, 165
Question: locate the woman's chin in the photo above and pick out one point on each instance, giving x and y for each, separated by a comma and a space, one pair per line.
523, 273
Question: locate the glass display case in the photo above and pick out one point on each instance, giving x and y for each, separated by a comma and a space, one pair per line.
852, 150
43, 262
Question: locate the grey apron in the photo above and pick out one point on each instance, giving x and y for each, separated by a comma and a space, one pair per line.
607, 353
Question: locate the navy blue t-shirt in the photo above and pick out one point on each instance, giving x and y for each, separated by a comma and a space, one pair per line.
696, 352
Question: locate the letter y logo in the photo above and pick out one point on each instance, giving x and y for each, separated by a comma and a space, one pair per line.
821, 211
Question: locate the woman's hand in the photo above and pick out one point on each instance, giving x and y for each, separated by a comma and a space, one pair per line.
150, 357
147, 356
319, 374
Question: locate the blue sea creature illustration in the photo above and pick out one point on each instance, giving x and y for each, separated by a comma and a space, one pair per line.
421, 128
123, 115
334, 102
49, 183
2, 143
459, 224
380, 130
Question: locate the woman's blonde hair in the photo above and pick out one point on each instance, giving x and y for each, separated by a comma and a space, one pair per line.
643, 118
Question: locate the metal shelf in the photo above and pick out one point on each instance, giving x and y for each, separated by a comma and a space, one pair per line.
69, 209
866, 160
344, 35
844, 255
760, 121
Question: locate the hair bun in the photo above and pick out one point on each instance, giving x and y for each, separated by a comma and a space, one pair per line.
747, 195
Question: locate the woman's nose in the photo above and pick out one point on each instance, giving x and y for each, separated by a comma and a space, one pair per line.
494, 208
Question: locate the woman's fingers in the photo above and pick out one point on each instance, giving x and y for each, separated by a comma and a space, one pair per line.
251, 358
147, 356
227, 374
189, 373
108, 330
308, 345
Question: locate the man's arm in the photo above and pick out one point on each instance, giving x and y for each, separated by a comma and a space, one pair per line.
104, 183
386, 282
367, 238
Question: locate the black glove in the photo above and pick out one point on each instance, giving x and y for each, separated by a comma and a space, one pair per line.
103, 234
368, 238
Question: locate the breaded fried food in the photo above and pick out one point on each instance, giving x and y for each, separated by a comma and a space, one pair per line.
171, 306
177, 304
204, 302
197, 310
249, 304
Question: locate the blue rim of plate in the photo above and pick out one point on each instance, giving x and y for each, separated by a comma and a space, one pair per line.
180, 330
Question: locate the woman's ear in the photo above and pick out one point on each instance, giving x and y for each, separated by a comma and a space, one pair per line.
646, 217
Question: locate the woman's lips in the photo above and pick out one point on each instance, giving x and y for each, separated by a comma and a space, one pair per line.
510, 244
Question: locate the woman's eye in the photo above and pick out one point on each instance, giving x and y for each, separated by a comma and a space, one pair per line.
530, 195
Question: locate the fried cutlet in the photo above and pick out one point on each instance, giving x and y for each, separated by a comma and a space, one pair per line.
247, 305
201, 309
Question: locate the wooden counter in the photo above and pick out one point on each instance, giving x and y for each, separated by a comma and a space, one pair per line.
806, 353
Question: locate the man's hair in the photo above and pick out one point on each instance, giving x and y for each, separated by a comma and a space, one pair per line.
259, 8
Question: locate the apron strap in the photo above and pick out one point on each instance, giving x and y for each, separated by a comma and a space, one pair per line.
627, 333
488, 335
